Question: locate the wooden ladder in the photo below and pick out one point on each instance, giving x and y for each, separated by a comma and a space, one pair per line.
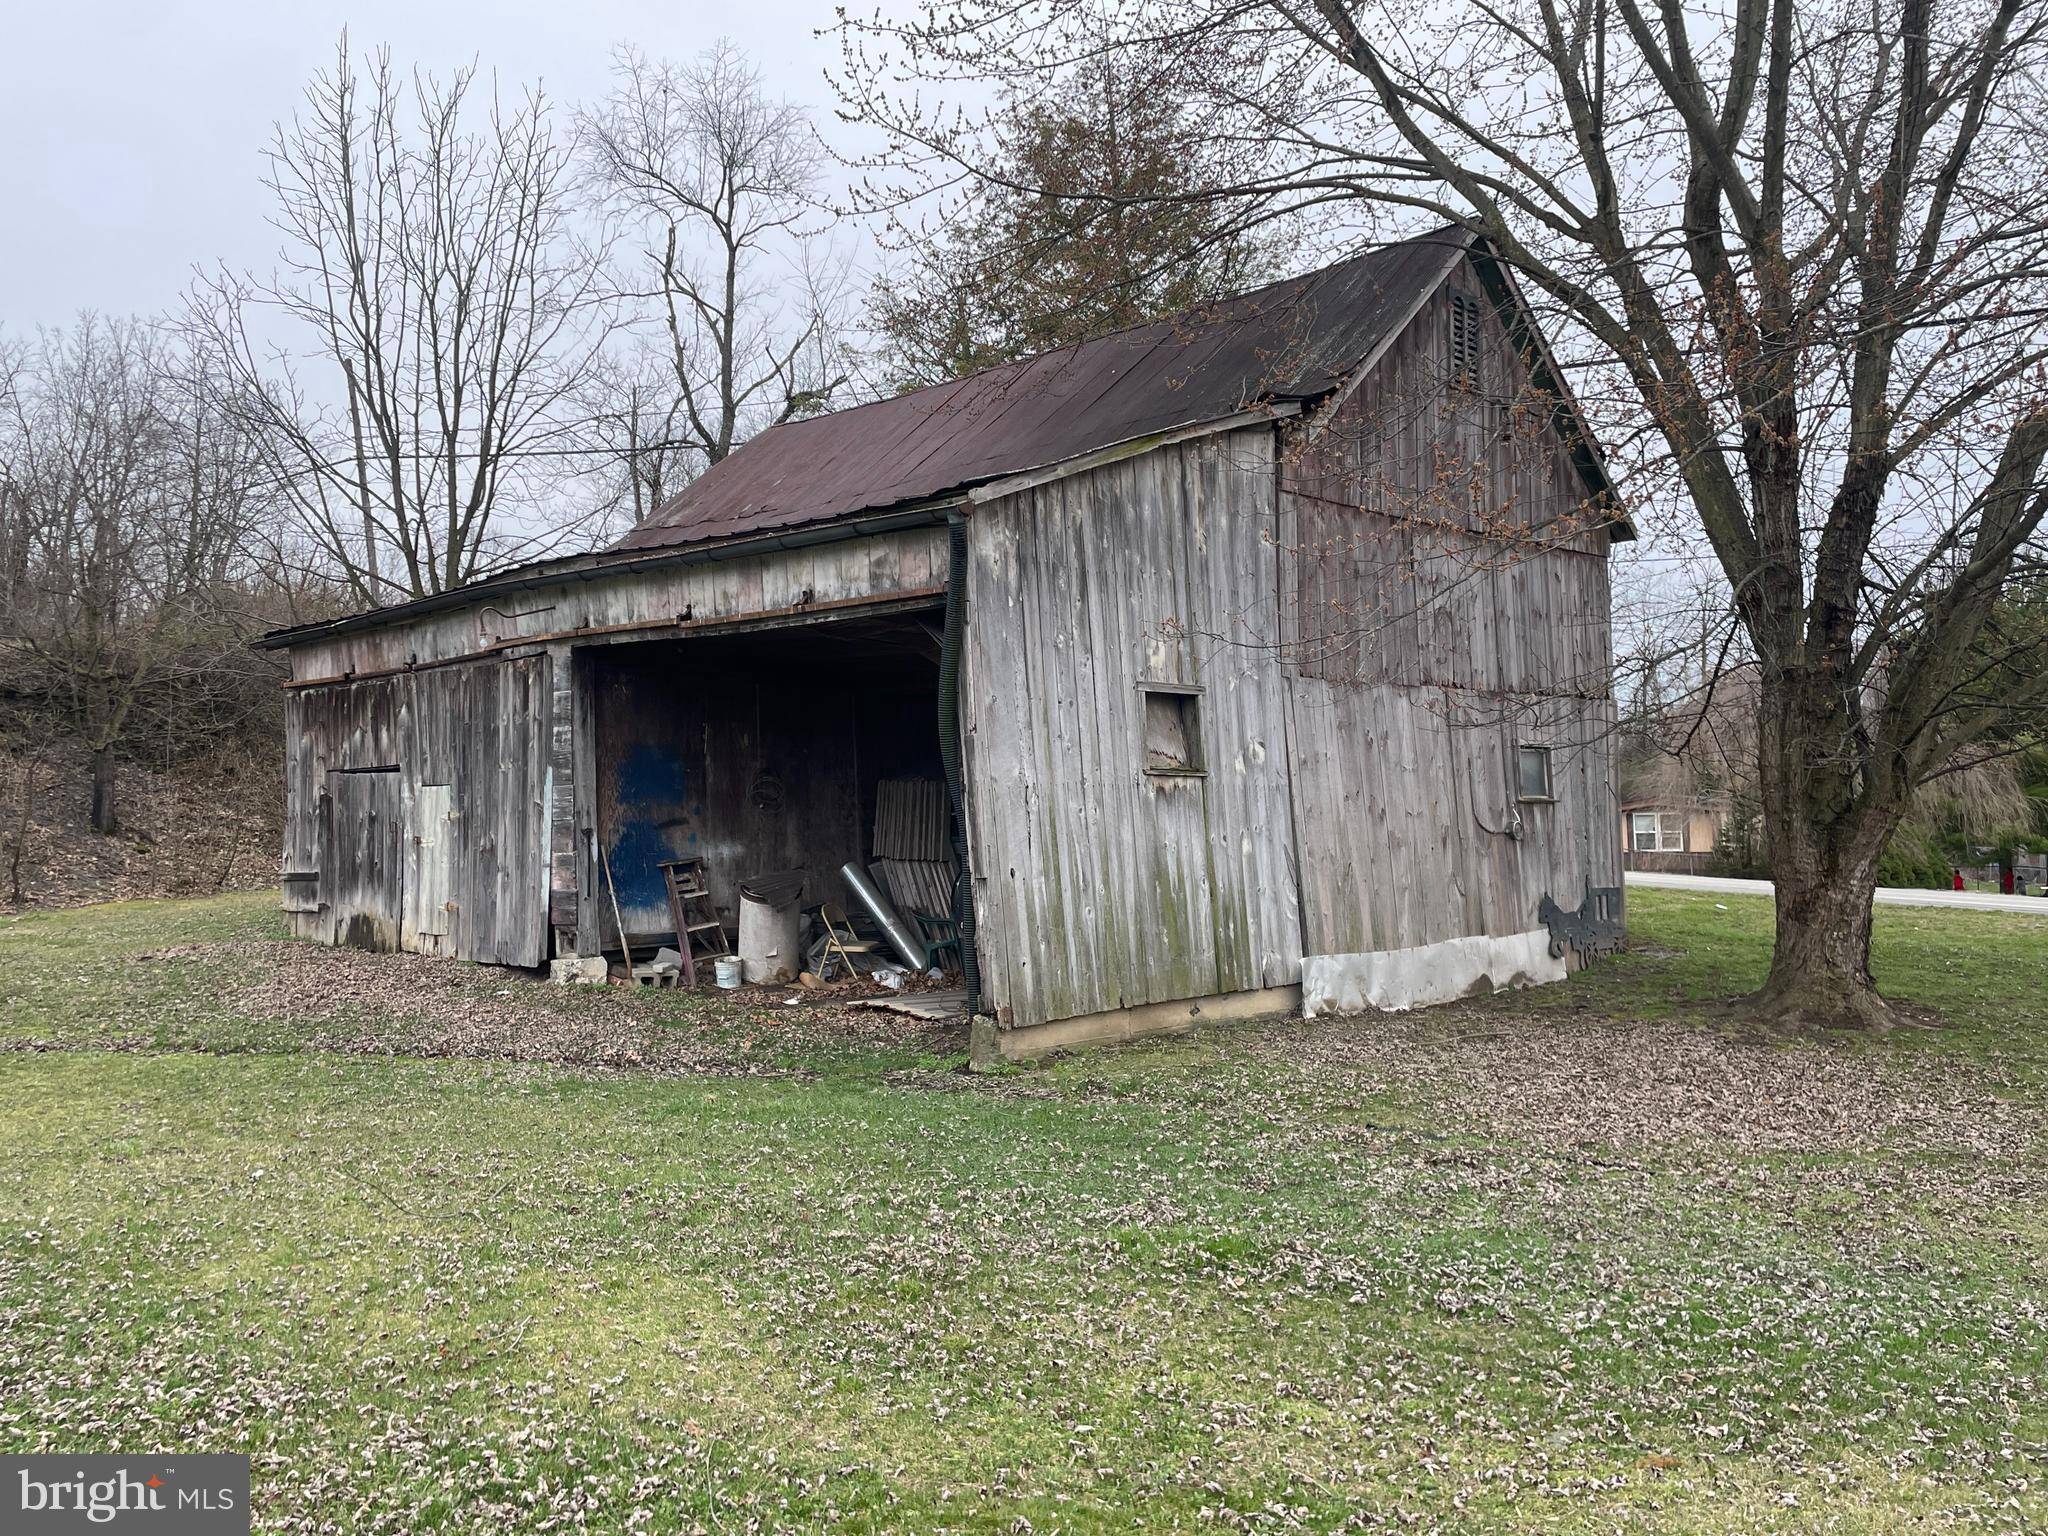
689, 907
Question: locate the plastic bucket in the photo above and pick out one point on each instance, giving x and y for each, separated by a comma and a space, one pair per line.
728, 968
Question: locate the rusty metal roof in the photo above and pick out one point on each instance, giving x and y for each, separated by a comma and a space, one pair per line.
887, 462
1293, 340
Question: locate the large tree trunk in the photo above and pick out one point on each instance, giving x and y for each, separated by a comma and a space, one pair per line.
104, 818
1820, 965
1826, 827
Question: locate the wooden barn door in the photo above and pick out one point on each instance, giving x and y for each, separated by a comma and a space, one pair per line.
474, 744
362, 866
429, 881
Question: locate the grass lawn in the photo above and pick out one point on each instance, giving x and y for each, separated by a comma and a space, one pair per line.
446, 1250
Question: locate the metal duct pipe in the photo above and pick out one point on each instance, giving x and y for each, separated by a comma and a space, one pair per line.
899, 933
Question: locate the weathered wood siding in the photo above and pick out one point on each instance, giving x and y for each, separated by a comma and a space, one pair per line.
1411, 832
1100, 886
467, 872
1445, 600
570, 769
1380, 605
599, 606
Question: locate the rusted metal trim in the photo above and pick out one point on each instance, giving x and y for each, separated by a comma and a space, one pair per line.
796, 614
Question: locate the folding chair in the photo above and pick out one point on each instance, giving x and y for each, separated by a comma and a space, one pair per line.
840, 940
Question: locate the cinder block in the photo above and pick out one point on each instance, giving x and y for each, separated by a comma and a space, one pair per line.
578, 970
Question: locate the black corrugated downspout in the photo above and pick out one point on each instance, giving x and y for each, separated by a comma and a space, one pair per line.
949, 749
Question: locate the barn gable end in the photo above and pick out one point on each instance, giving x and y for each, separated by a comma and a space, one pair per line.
1446, 606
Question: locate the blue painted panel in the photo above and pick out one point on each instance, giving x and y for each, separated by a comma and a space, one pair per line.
656, 821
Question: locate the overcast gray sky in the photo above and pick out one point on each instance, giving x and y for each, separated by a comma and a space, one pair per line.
131, 130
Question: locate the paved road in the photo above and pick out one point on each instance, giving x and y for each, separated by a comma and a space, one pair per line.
1979, 901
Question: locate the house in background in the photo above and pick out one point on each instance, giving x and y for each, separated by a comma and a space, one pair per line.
1263, 655
1663, 834
1686, 773
1687, 777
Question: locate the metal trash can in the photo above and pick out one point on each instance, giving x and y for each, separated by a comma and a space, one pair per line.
771, 917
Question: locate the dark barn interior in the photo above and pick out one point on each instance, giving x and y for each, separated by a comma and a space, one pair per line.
756, 752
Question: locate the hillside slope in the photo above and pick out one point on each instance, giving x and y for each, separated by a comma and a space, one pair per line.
212, 825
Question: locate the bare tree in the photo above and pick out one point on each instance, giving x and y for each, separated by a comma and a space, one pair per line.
716, 178
409, 363
14, 542
21, 819
634, 423
1799, 248
133, 499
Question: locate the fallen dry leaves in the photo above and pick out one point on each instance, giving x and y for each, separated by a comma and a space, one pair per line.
1562, 1079
211, 826
419, 1005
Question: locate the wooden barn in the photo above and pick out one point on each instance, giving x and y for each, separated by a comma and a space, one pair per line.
1252, 660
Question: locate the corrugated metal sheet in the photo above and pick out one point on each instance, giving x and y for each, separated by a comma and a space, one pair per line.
1296, 339
912, 820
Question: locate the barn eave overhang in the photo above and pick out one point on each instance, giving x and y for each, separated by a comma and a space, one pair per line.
924, 514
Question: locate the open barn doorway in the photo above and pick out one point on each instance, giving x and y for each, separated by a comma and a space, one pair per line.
795, 750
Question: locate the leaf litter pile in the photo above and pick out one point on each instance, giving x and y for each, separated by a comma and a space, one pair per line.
645, 1262
417, 1005
1552, 1078
1562, 1080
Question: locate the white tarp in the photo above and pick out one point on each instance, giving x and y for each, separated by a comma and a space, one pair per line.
1393, 979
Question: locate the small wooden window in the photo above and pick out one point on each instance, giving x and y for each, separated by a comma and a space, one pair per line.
1532, 773
1173, 729
1465, 344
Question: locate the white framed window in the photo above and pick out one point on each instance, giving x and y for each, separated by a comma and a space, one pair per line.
1657, 831
1532, 773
